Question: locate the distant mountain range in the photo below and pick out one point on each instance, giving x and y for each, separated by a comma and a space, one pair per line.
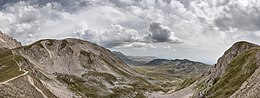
134, 60
182, 68
178, 67
167, 73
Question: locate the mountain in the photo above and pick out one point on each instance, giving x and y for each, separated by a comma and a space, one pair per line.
66, 69
142, 59
169, 74
125, 59
8, 42
134, 60
235, 75
178, 67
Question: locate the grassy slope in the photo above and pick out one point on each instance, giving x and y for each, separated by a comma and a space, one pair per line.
242, 67
165, 79
8, 67
187, 82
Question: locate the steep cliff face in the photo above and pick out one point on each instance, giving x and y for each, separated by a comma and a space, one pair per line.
232, 72
8, 42
69, 68
250, 88
218, 70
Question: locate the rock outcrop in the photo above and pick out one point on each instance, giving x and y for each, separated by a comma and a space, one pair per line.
218, 69
8, 42
234, 75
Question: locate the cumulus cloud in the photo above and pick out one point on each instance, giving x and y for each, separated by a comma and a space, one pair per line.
22, 20
161, 33
130, 23
115, 36
36, 19
229, 14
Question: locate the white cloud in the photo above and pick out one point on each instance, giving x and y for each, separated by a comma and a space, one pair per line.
136, 45
115, 36
200, 24
161, 33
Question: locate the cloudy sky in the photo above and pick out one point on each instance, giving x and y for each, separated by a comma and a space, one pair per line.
199, 30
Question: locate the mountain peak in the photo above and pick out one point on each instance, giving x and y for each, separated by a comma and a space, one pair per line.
237, 64
8, 42
243, 45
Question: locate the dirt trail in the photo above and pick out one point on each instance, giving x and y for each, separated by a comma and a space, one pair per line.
25, 72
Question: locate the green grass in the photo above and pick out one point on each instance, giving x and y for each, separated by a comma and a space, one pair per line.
39, 84
106, 76
8, 67
242, 67
187, 82
77, 85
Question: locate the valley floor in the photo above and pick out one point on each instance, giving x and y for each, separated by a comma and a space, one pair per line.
184, 93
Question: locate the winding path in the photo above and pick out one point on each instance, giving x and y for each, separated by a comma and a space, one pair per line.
25, 72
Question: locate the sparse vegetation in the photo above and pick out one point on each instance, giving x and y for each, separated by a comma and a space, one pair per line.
106, 76
77, 85
242, 67
187, 82
8, 66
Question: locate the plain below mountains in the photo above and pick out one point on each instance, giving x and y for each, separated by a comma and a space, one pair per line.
177, 67
168, 73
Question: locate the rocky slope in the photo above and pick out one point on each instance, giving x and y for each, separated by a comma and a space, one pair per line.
235, 75
8, 42
68, 68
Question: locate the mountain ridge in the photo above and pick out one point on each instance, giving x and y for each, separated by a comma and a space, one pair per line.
8, 42
228, 77
71, 68
134, 60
